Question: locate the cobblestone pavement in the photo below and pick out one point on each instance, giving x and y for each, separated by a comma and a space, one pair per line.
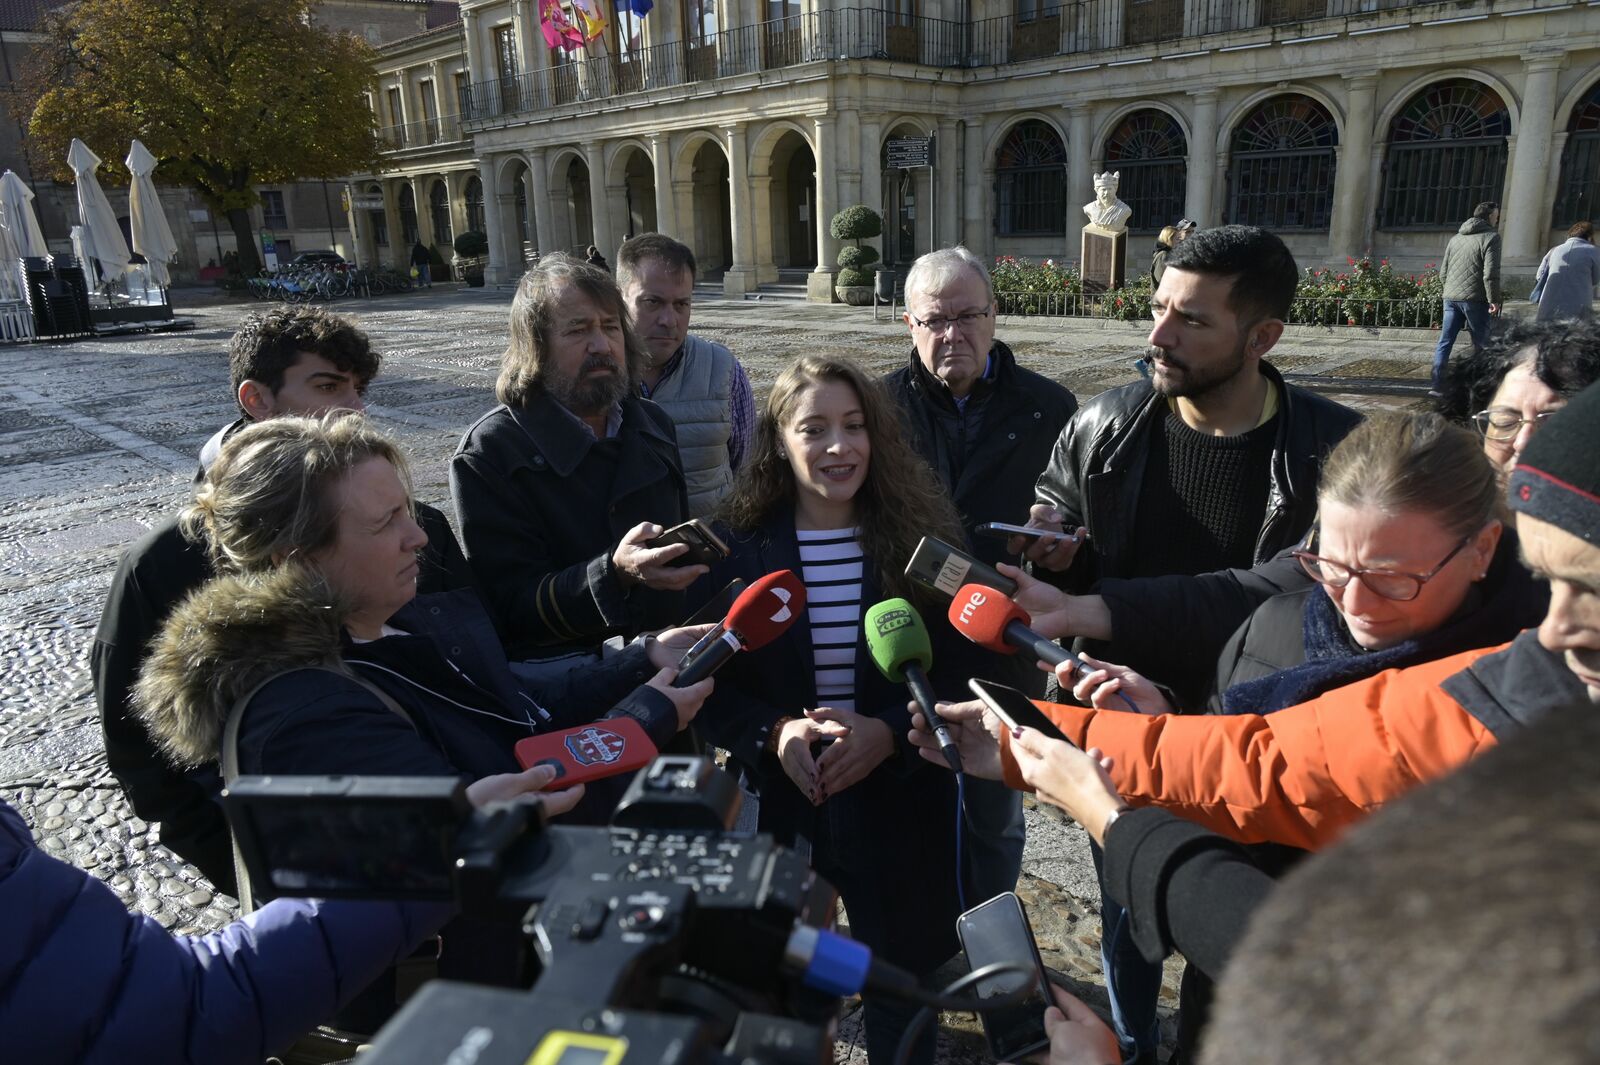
98, 440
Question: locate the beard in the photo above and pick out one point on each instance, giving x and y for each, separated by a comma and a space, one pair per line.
1183, 381
589, 393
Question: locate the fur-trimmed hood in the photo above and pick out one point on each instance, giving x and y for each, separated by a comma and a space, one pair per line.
231, 634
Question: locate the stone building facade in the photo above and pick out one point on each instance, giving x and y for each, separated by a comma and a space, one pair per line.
1351, 127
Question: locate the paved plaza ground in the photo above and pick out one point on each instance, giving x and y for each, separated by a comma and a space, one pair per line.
99, 438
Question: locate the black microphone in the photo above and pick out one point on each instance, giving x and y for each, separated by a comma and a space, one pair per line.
898, 642
762, 613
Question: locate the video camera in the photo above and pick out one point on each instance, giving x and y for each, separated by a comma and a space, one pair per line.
663, 938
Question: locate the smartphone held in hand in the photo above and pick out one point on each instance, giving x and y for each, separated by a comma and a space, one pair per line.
998, 931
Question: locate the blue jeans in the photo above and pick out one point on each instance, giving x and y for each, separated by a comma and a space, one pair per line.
994, 839
1132, 984
1457, 313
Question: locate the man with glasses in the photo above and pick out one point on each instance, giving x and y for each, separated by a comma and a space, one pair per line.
986, 426
1210, 462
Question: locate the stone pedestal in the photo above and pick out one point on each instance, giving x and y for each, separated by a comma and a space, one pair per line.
1103, 254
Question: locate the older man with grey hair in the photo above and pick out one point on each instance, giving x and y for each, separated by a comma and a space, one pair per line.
986, 426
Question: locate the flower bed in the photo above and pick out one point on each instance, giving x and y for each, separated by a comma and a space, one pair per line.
1365, 295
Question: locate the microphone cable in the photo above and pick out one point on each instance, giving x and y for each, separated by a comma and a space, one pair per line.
949, 999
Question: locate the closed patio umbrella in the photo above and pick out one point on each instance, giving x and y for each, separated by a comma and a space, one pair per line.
152, 237
102, 235
16, 214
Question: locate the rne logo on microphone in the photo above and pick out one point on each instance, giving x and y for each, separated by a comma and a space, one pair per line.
782, 595
974, 601
890, 620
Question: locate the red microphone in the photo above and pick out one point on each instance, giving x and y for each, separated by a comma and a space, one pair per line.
762, 613
990, 619
602, 749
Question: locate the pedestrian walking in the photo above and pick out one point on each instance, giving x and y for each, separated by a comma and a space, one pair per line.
1471, 275
1568, 276
422, 264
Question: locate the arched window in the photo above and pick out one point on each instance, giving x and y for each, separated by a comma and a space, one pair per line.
1148, 149
1281, 164
408, 215
1030, 180
379, 219
1446, 154
1578, 196
473, 194
439, 208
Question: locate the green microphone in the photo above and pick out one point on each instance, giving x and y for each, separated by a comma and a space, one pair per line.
897, 640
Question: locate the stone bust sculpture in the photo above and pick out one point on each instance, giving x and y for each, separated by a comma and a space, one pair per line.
1107, 211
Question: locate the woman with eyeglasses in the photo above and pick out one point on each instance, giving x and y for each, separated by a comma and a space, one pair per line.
1507, 388
1410, 561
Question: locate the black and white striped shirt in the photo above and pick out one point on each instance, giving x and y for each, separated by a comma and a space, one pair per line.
830, 566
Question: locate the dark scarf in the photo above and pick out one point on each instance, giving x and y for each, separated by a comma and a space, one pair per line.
1507, 601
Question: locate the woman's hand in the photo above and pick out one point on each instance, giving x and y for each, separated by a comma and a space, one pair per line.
1077, 1034
863, 747
975, 730
794, 752
1105, 684
653, 567
1054, 553
1055, 613
666, 648
524, 787
1079, 782
686, 701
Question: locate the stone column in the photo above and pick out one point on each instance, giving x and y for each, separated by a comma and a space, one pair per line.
1525, 211
661, 165
391, 222
419, 193
530, 39
1352, 186
819, 286
683, 212
946, 224
539, 193
763, 256
979, 225
871, 136
847, 152
501, 237
1202, 172
476, 70
740, 276
605, 237
1080, 175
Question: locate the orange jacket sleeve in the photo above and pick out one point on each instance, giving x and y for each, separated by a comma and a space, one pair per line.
1299, 776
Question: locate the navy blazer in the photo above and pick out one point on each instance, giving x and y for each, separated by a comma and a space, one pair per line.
891, 834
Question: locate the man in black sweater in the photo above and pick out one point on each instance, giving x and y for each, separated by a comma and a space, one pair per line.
1210, 463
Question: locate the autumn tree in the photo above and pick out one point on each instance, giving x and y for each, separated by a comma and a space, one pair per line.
228, 94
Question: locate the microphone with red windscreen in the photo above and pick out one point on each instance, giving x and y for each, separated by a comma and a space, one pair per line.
762, 613
990, 619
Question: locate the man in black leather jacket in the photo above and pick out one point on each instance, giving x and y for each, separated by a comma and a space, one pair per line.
1211, 462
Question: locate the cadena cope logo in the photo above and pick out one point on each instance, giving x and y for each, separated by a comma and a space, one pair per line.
782, 614
596, 746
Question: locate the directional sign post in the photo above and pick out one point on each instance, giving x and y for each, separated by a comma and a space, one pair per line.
907, 153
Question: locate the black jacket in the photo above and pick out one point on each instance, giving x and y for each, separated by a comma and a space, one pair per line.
1095, 473
1508, 600
154, 575
540, 516
990, 455
894, 827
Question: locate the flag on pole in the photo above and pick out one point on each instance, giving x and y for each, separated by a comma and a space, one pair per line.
559, 32
642, 8
592, 18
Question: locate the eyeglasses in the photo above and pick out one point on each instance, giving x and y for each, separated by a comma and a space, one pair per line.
1502, 424
1391, 584
966, 321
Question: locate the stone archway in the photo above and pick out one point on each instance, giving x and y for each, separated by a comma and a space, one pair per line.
631, 191
705, 209
907, 199
793, 203
572, 216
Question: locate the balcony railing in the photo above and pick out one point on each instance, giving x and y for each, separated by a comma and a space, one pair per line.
423, 134
1072, 28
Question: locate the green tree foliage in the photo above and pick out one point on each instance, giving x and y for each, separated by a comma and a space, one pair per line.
228, 94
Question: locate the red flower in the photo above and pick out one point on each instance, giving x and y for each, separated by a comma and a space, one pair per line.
1349, 261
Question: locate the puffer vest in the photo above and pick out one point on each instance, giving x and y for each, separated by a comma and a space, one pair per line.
696, 397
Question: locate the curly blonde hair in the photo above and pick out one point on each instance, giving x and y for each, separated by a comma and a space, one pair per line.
899, 502
269, 496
